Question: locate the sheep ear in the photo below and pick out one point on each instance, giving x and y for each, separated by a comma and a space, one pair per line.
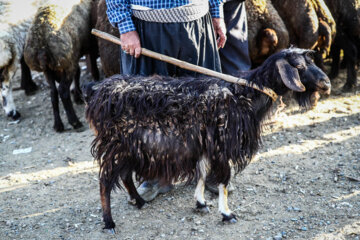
289, 75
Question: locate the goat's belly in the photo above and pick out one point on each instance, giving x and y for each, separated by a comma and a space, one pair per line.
165, 143
165, 157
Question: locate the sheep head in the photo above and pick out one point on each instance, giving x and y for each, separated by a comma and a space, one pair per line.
298, 72
267, 41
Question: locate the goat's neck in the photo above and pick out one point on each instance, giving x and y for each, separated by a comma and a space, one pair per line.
267, 76
264, 76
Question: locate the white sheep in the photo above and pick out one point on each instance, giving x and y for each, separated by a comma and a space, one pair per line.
16, 18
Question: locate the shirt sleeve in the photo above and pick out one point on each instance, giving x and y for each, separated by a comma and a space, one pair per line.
119, 15
216, 8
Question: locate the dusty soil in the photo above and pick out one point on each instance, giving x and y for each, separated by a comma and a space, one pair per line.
303, 184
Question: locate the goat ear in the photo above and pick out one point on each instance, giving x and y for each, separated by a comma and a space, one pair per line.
289, 75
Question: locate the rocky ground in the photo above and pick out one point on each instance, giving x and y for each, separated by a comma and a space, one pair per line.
303, 184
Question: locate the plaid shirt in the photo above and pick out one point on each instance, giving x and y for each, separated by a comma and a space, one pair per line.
119, 11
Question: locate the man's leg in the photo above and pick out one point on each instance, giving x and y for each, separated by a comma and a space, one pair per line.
235, 54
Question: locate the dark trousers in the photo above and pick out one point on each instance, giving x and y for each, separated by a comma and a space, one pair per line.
193, 42
235, 55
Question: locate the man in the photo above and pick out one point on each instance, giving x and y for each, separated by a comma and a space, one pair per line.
180, 29
189, 30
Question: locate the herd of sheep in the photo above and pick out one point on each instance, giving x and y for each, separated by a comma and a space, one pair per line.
51, 36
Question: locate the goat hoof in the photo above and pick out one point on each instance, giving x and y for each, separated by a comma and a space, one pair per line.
15, 115
229, 218
202, 208
140, 203
109, 231
59, 127
77, 125
110, 227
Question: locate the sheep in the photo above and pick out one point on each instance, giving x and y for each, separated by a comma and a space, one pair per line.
310, 25
347, 17
92, 55
177, 128
16, 17
60, 34
109, 52
267, 32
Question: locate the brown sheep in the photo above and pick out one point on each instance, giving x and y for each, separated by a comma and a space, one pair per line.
267, 31
59, 36
309, 23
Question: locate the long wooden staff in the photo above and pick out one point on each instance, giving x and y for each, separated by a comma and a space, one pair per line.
189, 66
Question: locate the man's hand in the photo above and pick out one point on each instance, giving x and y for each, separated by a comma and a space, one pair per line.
220, 31
130, 43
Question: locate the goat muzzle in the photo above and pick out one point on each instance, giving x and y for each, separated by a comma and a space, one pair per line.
324, 86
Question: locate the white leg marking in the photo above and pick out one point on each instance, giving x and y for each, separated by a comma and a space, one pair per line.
223, 201
199, 191
7, 98
203, 166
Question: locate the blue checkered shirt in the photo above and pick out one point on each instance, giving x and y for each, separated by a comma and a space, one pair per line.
119, 11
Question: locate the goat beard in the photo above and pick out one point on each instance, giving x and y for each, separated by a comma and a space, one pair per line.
307, 100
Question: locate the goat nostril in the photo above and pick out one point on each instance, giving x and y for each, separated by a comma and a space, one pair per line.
326, 81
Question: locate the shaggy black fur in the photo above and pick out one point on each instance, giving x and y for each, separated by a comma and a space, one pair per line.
347, 16
159, 127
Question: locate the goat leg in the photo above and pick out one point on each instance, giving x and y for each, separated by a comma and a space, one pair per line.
228, 216
129, 185
335, 55
7, 99
26, 81
50, 77
77, 90
64, 91
93, 64
200, 187
105, 190
350, 54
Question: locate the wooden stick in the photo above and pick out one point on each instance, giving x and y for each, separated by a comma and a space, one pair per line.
189, 66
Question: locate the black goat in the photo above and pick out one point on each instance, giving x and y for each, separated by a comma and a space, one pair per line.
347, 16
175, 128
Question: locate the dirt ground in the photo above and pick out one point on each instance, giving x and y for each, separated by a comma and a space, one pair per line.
303, 184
